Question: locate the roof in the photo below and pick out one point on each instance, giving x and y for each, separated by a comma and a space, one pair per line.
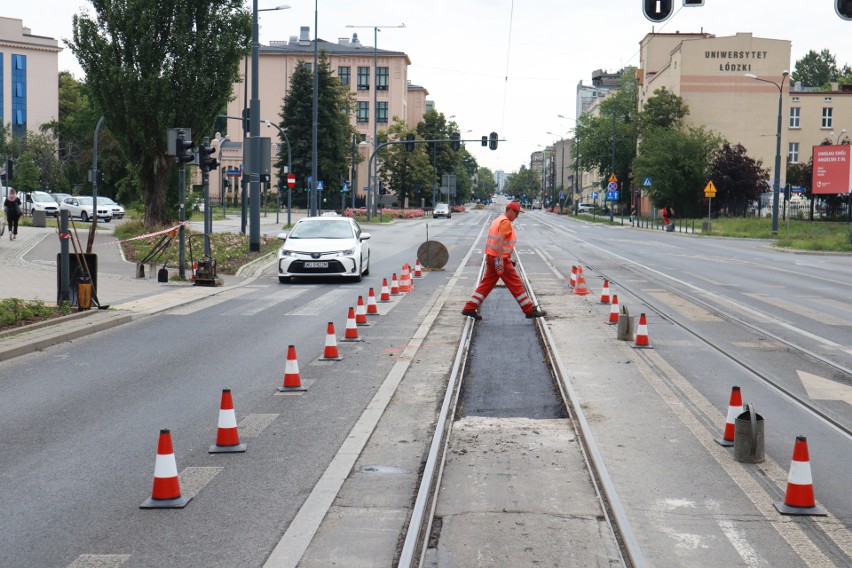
307, 46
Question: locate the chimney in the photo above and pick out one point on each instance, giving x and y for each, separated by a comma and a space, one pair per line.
304, 35
343, 40
293, 40
355, 41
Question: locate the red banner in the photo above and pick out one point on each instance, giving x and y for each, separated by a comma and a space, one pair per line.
832, 172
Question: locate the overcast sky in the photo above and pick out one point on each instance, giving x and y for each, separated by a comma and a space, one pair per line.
509, 66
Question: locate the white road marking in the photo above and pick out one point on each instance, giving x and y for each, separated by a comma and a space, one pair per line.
99, 561
267, 302
194, 479
819, 388
253, 425
316, 307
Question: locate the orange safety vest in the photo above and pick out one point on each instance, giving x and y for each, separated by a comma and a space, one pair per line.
493, 239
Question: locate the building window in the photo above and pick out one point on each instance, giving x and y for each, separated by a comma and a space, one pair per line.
795, 113
826, 117
345, 75
382, 112
793, 152
363, 78
19, 95
382, 78
363, 111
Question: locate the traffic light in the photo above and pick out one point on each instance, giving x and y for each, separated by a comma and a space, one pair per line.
843, 8
492, 140
455, 136
692, 3
409, 142
485, 141
205, 159
657, 10
382, 190
184, 153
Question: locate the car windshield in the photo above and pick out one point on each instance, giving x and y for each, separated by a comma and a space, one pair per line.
84, 200
326, 229
106, 201
42, 198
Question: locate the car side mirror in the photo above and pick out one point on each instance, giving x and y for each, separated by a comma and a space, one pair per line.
283, 236
365, 236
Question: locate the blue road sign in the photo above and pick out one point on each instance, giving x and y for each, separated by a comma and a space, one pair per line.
594, 195
612, 196
345, 187
646, 182
612, 186
319, 185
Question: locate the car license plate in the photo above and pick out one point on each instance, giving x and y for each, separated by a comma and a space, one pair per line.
316, 265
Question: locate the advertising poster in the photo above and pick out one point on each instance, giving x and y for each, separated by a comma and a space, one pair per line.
832, 173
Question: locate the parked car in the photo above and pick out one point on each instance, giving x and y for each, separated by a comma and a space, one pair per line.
60, 197
81, 207
40, 201
442, 210
324, 246
117, 210
585, 208
536, 205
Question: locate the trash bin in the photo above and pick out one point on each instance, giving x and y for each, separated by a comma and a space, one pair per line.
39, 218
748, 436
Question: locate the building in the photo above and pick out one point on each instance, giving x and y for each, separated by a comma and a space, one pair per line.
29, 71
372, 75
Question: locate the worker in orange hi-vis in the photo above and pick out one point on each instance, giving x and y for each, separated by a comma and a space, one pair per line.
498, 255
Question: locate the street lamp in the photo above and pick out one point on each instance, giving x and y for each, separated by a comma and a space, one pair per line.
839, 136
777, 181
289, 168
371, 175
254, 127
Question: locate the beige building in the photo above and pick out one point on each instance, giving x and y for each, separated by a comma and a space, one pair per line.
29, 71
353, 63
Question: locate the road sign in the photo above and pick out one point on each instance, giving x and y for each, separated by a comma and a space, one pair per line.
646, 182
612, 186
319, 185
612, 195
612, 178
710, 189
291, 181
345, 187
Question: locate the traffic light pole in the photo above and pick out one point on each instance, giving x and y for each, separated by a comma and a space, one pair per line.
182, 220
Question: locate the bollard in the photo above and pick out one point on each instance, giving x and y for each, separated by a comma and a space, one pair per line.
748, 436
626, 325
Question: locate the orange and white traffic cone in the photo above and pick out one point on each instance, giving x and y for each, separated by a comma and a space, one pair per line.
166, 491
405, 279
735, 408
580, 288
361, 313
573, 275
372, 307
292, 379
394, 290
385, 295
351, 333
613, 310
605, 292
641, 340
418, 270
227, 436
330, 353
194, 269
799, 499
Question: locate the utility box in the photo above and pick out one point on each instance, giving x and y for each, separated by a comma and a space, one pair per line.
39, 218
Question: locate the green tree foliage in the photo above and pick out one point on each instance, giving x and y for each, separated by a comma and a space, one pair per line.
40, 151
679, 161
486, 185
663, 110
522, 184
819, 69
151, 66
334, 129
739, 179
434, 126
407, 174
466, 169
27, 177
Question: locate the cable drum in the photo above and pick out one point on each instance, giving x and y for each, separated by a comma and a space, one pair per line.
433, 254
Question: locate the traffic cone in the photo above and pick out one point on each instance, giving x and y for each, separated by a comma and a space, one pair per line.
642, 333
394, 291
372, 307
361, 313
573, 275
799, 499
735, 408
227, 436
292, 379
613, 311
605, 292
580, 288
351, 333
385, 296
330, 353
194, 269
166, 491
405, 279
418, 270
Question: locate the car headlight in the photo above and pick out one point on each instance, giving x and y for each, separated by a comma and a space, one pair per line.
347, 252
285, 252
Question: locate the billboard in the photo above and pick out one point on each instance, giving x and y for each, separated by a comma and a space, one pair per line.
832, 172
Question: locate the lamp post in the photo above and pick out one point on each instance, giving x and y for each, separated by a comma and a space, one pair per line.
289, 167
839, 136
254, 127
776, 184
371, 204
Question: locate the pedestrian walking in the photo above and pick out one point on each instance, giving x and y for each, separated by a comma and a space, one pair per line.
12, 207
499, 266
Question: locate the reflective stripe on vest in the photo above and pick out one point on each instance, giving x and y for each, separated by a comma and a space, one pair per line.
494, 238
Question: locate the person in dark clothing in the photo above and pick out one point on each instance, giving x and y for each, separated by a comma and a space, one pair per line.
12, 207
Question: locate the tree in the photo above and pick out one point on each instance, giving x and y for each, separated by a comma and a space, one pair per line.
522, 184
158, 65
663, 110
739, 179
27, 177
817, 69
40, 152
407, 174
486, 185
434, 126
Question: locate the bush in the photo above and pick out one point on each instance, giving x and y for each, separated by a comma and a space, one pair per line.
15, 312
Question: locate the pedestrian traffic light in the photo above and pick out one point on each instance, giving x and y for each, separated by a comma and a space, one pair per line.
492, 140
843, 8
485, 141
455, 136
205, 159
657, 10
409, 142
184, 149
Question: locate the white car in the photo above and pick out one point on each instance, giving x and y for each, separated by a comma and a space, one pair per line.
81, 207
41, 201
585, 208
117, 210
442, 210
324, 246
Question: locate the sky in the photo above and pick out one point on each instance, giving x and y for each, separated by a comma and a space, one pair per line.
507, 66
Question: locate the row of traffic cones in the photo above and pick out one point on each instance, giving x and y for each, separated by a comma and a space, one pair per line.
799, 497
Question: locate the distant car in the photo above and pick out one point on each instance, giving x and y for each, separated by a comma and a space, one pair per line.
585, 208
60, 197
117, 210
324, 246
82, 207
442, 210
536, 205
41, 201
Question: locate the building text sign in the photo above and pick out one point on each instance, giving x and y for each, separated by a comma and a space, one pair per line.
832, 173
